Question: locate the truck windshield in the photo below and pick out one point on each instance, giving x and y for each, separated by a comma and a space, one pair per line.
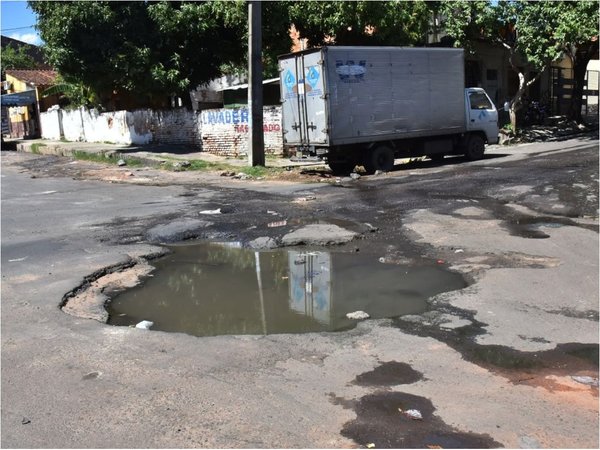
479, 100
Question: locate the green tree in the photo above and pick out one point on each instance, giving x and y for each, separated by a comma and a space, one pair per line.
146, 49
74, 94
362, 22
577, 30
541, 32
16, 58
276, 38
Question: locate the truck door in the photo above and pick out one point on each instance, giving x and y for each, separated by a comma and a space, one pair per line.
481, 113
303, 98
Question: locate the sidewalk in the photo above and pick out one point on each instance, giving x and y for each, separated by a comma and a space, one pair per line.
157, 155
151, 155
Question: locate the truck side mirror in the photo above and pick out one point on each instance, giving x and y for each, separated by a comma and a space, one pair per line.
507, 106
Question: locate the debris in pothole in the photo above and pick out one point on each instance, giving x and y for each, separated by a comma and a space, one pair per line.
144, 325
280, 223
262, 243
211, 211
91, 376
413, 414
18, 259
357, 315
305, 199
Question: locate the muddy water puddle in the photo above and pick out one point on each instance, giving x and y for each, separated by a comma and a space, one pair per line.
209, 289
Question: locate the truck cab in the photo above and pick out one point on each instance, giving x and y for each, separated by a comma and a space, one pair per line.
481, 114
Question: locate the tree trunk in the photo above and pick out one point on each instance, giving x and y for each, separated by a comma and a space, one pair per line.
515, 103
512, 113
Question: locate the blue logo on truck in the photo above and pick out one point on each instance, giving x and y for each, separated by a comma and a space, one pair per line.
313, 76
350, 72
289, 80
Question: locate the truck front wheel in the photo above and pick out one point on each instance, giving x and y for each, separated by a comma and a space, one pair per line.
379, 158
475, 147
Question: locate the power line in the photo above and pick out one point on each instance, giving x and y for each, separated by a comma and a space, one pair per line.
18, 28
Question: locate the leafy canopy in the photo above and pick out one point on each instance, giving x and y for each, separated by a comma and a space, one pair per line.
541, 31
154, 49
362, 22
16, 57
148, 49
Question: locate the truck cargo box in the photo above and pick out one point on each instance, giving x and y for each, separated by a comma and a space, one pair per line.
343, 95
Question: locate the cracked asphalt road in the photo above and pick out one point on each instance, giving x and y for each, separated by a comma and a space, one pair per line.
494, 361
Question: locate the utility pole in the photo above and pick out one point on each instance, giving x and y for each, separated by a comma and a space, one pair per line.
256, 140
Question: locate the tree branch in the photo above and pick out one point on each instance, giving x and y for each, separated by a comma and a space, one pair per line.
537, 77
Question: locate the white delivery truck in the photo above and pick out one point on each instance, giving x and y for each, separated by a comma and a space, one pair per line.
369, 105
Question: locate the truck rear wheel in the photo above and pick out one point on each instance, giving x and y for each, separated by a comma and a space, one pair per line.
379, 158
475, 147
341, 167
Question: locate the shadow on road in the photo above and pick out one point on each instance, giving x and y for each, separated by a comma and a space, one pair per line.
176, 149
414, 164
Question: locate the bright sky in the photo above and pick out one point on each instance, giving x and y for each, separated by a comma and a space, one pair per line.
18, 21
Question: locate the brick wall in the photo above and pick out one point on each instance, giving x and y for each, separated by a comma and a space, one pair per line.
178, 126
219, 131
225, 131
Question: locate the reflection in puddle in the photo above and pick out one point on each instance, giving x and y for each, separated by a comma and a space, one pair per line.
212, 289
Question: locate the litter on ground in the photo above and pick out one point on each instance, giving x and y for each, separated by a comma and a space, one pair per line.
144, 325
357, 315
414, 414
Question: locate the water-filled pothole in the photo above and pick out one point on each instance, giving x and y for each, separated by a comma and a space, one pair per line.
210, 289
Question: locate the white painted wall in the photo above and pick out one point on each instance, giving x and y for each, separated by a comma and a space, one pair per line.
220, 131
72, 122
51, 123
139, 123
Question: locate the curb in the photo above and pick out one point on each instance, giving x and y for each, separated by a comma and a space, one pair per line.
54, 149
112, 152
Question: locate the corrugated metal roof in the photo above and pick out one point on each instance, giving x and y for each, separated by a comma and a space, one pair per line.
35, 77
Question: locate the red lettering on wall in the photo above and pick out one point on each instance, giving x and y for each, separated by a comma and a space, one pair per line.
267, 128
271, 127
